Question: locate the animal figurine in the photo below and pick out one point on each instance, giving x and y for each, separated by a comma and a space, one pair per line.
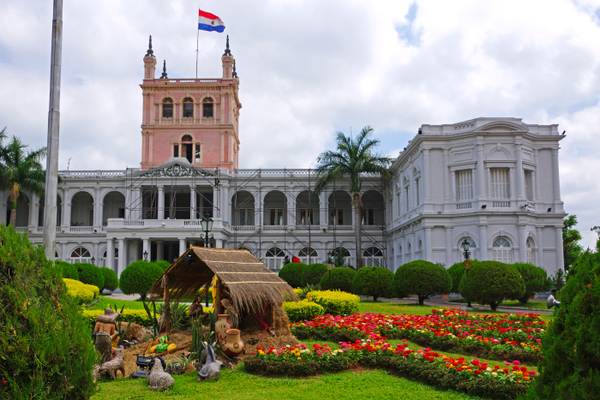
211, 370
111, 367
158, 378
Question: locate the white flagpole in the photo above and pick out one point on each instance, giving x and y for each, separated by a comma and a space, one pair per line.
53, 133
197, 37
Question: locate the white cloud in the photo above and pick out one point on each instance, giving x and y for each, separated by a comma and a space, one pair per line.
310, 68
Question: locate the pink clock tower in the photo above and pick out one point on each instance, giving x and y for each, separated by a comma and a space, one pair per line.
195, 119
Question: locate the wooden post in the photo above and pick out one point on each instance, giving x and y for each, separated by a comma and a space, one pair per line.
165, 318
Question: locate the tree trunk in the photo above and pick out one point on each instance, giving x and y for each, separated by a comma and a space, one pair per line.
421, 300
493, 306
357, 204
14, 198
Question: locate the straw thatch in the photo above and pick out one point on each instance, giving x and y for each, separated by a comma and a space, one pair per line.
250, 285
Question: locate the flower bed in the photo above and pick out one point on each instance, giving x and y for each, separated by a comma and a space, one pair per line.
474, 377
496, 336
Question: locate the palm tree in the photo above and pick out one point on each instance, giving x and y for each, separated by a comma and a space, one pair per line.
352, 158
20, 170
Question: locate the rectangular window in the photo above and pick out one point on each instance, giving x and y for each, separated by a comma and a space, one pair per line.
499, 183
276, 216
197, 153
398, 203
306, 216
417, 190
336, 216
464, 185
176, 150
406, 199
369, 218
529, 184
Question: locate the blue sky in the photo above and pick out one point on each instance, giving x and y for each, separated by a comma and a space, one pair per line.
310, 68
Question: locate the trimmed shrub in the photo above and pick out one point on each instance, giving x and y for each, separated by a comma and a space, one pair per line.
422, 278
302, 310
128, 315
490, 282
46, 348
90, 274
80, 291
139, 276
339, 278
67, 270
163, 264
312, 273
292, 274
335, 302
373, 281
111, 282
456, 272
535, 279
570, 368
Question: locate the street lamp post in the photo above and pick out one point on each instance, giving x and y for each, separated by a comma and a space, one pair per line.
466, 248
145, 255
207, 224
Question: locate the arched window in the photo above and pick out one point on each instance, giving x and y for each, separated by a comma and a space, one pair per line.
80, 255
502, 249
531, 250
308, 255
340, 255
208, 109
274, 258
188, 108
167, 108
186, 147
373, 257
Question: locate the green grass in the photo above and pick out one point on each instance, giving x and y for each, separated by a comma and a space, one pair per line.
104, 302
531, 304
236, 384
393, 308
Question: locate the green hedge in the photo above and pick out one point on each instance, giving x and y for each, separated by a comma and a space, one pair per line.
46, 351
140, 276
312, 273
302, 275
373, 281
111, 282
67, 270
490, 282
302, 310
90, 274
535, 279
334, 301
456, 272
422, 278
339, 278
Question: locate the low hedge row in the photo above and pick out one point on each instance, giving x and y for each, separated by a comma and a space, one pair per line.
302, 310
335, 302
137, 316
82, 292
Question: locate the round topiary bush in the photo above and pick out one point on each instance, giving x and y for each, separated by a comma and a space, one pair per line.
139, 276
422, 278
339, 278
373, 281
535, 278
292, 274
312, 273
111, 282
490, 282
302, 310
163, 264
456, 272
334, 301
570, 368
46, 351
90, 274
67, 270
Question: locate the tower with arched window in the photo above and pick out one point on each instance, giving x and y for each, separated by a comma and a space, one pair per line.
206, 111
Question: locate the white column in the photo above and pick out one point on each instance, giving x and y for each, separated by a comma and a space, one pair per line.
97, 218
323, 209
449, 246
34, 211
259, 205
540, 246
424, 181
159, 250
182, 247
122, 256
193, 204
219, 243
146, 248
66, 217
556, 178
427, 245
483, 244
110, 253
161, 203
560, 261
522, 246
480, 172
520, 177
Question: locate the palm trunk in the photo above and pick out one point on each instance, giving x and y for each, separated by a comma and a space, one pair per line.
356, 202
14, 197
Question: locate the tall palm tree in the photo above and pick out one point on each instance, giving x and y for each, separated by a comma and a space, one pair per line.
20, 170
351, 158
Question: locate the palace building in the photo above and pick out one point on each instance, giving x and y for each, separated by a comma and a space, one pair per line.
493, 182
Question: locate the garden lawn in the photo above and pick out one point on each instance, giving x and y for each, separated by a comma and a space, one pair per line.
104, 302
394, 308
236, 384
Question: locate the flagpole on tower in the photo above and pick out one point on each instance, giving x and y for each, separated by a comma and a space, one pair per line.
197, 37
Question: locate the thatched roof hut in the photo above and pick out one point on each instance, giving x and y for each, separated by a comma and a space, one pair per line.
251, 287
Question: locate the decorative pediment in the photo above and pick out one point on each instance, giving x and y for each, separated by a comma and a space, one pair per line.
499, 153
503, 126
177, 167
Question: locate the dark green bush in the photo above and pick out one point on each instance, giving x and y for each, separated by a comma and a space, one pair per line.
292, 274
535, 279
422, 278
140, 276
456, 272
111, 282
490, 282
163, 264
571, 368
373, 281
46, 348
312, 273
90, 274
68, 270
339, 278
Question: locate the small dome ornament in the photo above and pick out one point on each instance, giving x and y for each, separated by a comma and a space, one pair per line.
227, 50
150, 52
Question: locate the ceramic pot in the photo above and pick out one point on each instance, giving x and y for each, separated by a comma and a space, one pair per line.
221, 326
233, 342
